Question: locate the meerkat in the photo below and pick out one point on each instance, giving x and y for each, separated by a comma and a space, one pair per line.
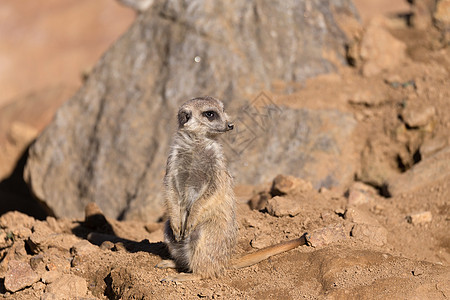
201, 230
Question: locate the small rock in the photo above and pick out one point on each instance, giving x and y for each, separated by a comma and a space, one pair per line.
442, 14
44, 237
39, 287
76, 262
83, 247
417, 115
37, 261
327, 235
285, 184
261, 241
420, 218
20, 232
50, 276
41, 233
120, 247
282, 206
57, 260
259, 201
375, 169
19, 276
372, 234
107, 245
13, 218
68, 287
360, 193
359, 216
19, 250
379, 49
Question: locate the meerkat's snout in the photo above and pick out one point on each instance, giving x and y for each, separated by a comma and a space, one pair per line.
230, 126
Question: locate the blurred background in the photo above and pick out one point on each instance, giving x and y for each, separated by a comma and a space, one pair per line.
45, 47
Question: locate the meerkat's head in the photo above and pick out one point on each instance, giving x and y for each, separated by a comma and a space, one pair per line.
204, 116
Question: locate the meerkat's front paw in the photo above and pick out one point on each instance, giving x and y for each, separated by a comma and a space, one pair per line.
166, 264
188, 230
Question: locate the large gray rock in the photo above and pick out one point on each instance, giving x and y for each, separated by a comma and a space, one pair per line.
109, 143
315, 145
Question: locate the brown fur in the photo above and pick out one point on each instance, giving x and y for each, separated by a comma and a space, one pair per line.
201, 230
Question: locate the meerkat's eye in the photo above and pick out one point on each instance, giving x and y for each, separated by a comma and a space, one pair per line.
211, 115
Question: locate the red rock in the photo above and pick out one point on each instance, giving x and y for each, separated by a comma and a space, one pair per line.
359, 216
285, 184
283, 206
19, 276
379, 49
360, 193
420, 218
418, 115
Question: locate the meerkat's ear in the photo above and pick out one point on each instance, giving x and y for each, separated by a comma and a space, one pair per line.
183, 117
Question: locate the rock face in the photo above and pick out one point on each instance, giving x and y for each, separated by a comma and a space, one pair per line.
109, 143
309, 144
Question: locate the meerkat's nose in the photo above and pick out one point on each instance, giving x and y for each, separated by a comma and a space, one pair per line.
230, 126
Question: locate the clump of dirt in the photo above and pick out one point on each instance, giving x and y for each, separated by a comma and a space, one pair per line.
374, 247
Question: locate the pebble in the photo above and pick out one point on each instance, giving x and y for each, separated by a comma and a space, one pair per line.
259, 201
83, 247
107, 245
420, 218
286, 184
417, 115
19, 275
359, 216
379, 49
283, 206
50, 276
360, 193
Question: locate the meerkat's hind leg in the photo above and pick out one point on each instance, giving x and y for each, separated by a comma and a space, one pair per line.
182, 277
166, 264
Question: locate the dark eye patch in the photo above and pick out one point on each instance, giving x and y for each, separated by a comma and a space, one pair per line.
211, 115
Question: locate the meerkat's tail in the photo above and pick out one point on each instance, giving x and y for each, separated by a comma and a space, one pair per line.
262, 254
